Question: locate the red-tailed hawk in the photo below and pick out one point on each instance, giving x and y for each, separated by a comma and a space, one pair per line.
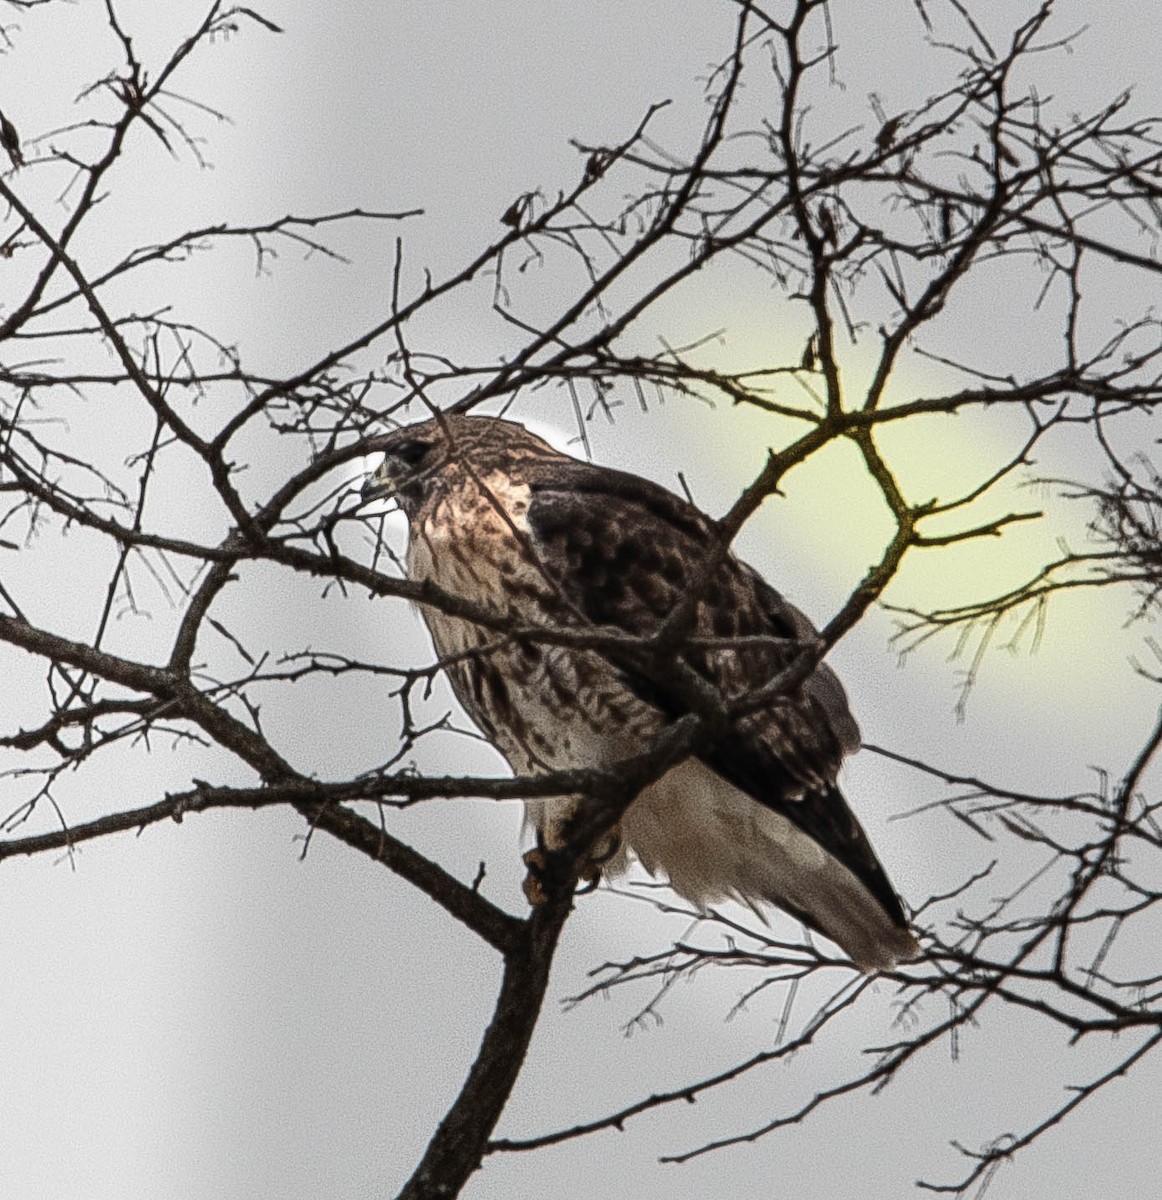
499, 517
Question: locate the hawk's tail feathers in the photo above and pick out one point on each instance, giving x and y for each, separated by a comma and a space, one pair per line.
715, 842
800, 876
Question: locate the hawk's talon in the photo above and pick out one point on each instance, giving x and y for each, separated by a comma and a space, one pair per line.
606, 849
541, 864
588, 880
535, 882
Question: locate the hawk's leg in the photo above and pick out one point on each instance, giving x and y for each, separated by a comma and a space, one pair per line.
542, 863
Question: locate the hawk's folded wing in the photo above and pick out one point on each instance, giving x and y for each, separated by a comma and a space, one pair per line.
623, 551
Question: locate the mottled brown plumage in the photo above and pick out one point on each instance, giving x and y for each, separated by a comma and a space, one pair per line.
498, 516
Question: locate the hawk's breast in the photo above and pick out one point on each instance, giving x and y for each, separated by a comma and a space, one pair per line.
546, 707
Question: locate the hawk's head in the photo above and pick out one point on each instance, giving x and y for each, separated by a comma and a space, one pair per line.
417, 455
410, 455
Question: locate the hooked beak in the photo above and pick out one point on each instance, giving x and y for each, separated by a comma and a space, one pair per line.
379, 485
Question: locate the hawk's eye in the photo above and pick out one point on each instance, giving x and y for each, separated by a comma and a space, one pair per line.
410, 452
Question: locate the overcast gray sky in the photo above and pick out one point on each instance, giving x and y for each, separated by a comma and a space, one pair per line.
197, 1014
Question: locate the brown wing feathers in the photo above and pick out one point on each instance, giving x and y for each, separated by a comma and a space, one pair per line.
624, 550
